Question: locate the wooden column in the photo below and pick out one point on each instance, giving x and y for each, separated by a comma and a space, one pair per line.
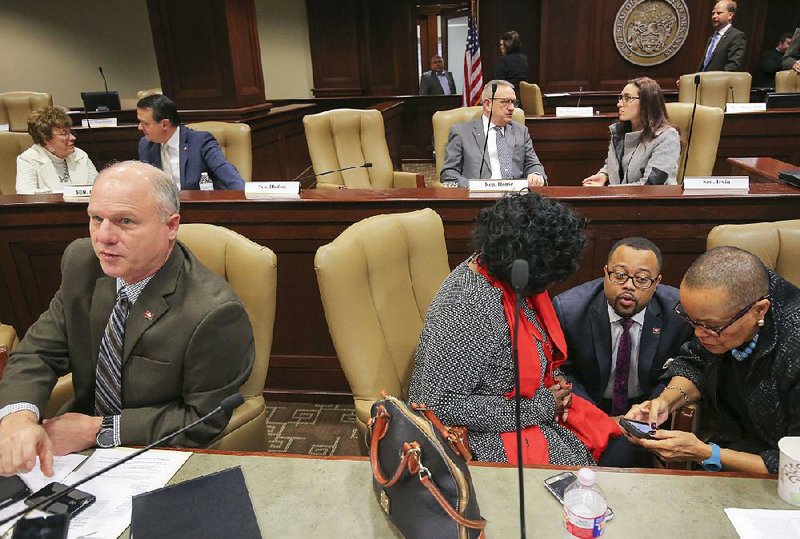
208, 53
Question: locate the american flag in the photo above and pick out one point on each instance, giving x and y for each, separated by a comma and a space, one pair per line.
473, 70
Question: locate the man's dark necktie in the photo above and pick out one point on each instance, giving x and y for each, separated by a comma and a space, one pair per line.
108, 387
503, 154
619, 400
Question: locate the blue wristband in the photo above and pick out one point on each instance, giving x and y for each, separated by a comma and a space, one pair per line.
712, 463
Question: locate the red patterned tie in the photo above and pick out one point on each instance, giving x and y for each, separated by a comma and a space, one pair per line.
619, 400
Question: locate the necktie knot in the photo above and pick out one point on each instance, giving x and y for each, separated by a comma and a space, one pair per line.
122, 296
626, 323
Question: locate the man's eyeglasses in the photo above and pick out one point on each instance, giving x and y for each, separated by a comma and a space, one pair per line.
627, 98
642, 282
716, 330
506, 101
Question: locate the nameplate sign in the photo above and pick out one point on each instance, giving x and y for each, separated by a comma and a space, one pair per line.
710, 185
77, 193
272, 189
4, 127
735, 108
99, 122
497, 186
574, 112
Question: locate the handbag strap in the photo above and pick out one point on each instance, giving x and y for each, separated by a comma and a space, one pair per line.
454, 435
434, 490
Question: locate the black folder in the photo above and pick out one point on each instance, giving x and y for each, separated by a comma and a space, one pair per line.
213, 506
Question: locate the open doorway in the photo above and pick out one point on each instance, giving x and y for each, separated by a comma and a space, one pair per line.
442, 31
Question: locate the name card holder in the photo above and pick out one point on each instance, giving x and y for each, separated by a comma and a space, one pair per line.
496, 186
716, 185
99, 122
735, 108
77, 193
266, 190
574, 112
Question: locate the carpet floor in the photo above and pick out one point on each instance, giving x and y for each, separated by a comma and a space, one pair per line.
313, 429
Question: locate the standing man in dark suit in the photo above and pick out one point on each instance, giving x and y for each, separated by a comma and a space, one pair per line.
509, 151
153, 339
726, 47
181, 152
771, 62
621, 328
437, 81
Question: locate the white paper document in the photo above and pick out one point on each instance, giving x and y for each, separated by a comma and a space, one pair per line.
764, 523
36, 480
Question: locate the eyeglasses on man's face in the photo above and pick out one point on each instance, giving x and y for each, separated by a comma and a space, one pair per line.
627, 98
640, 281
716, 330
506, 101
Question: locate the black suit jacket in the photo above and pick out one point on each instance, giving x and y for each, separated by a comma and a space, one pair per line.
583, 313
728, 54
770, 64
429, 84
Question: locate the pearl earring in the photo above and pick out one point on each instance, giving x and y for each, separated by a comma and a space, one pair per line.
761, 323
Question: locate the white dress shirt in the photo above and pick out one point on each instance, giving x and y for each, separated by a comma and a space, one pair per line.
173, 150
634, 390
491, 148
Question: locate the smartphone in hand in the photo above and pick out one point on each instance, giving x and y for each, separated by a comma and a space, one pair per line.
637, 429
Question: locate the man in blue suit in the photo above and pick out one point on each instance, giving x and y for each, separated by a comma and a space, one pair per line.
181, 152
621, 328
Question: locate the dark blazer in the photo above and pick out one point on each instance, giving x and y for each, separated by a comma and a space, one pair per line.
583, 313
199, 152
793, 52
728, 54
770, 64
462, 158
188, 345
513, 67
429, 84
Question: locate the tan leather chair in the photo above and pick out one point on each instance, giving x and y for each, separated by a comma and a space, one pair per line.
787, 81
530, 98
443, 120
716, 88
777, 244
11, 145
377, 280
251, 270
705, 136
235, 141
15, 107
141, 94
350, 137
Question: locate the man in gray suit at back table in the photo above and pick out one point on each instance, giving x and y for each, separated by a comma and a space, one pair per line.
726, 47
509, 152
437, 81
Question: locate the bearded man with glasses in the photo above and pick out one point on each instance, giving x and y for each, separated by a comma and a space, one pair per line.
621, 328
743, 366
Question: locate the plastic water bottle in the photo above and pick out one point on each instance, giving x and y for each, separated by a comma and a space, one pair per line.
205, 182
584, 507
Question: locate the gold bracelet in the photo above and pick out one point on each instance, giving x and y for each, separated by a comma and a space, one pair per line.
676, 388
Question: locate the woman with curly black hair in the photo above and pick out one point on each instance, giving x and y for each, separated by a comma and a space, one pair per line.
464, 369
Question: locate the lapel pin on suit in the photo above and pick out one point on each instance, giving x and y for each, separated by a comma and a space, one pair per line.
148, 315
656, 331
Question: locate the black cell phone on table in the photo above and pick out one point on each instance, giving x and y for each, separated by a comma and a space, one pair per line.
557, 484
12, 489
636, 429
48, 527
69, 504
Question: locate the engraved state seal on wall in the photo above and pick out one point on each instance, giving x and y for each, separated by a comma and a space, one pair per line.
650, 32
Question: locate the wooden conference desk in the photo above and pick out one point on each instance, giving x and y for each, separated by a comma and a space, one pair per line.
302, 497
34, 230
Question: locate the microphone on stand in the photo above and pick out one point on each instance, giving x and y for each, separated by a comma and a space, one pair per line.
519, 280
228, 405
733, 95
580, 94
691, 124
488, 120
105, 82
367, 164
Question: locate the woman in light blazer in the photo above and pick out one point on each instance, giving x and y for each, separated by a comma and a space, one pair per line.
53, 161
644, 148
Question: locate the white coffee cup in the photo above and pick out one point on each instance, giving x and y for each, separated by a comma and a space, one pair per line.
789, 469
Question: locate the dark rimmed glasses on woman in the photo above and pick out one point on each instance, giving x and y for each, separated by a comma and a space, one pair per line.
716, 330
642, 282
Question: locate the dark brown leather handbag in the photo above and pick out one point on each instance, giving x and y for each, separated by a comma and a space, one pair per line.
420, 473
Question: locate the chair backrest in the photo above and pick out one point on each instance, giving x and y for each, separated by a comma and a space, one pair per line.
252, 272
787, 81
777, 244
530, 98
376, 281
141, 94
705, 136
235, 141
349, 137
11, 145
15, 107
716, 88
443, 120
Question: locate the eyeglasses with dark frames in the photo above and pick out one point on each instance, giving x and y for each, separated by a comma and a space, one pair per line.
627, 98
718, 329
642, 282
